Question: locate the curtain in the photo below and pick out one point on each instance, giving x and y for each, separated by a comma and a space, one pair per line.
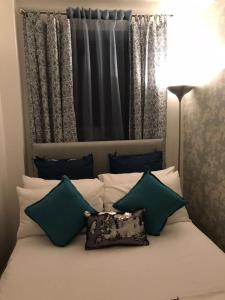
48, 58
100, 43
148, 100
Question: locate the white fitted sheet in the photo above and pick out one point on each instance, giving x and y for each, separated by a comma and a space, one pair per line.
182, 262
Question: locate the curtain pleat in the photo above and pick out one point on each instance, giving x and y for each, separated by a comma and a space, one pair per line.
43, 79
54, 79
32, 74
48, 57
148, 103
100, 73
135, 124
66, 77
117, 120
86, 86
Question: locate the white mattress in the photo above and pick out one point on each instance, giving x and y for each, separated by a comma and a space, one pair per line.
182, 262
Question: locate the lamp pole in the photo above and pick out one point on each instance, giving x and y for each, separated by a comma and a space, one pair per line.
180, 91
179, 142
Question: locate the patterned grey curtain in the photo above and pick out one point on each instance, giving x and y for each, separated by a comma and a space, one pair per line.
148, 102
48, 58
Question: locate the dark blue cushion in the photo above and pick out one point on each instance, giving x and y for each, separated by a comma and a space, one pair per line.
60, 213
158, 200
73, 168
135, 163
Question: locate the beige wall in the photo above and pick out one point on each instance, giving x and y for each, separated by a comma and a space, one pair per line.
3, 181
11, 134
141, 6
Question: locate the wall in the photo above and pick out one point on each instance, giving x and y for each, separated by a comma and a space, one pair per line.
204, 157
3, 176
204, 145
11, 129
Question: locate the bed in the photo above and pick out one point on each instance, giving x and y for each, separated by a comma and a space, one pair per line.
181, 263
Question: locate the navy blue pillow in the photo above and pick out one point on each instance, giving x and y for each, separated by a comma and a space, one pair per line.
73, 168
135, 163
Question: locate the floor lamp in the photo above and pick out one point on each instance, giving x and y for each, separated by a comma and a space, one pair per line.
180, 91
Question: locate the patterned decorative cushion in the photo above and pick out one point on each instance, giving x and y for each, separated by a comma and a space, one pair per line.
73, 168
135, 162
106, 229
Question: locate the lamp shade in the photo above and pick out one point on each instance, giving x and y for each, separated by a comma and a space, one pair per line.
180, 90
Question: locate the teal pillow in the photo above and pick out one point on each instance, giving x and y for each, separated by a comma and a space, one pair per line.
60, 213
159, 202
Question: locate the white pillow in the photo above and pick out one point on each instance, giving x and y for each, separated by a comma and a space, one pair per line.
131, 178
27, 197
91, 189
36, 183
117, 186
164, 172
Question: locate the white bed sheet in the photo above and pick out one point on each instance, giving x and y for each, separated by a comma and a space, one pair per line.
182, 262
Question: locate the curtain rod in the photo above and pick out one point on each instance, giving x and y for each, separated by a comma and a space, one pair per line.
23, 12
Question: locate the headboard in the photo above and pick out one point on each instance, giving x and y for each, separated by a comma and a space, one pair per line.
99, 150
